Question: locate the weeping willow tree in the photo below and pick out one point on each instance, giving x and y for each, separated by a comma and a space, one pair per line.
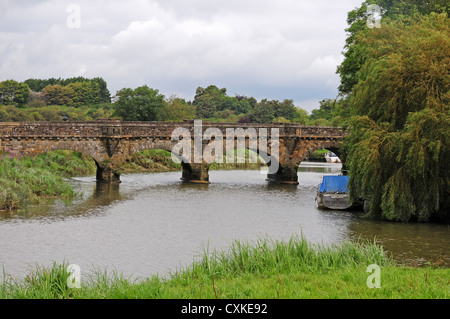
398, 149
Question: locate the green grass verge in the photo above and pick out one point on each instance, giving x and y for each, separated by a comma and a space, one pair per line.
268, 269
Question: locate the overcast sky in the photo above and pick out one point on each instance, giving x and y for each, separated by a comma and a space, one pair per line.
277, 49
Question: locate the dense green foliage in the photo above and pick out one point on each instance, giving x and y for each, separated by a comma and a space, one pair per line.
355, 53
214, 104
400, 137
102, 93
74, 94
212, 99
334, 112
57, 93
177, 109
13, 93
266, 270
9, 113
140, 104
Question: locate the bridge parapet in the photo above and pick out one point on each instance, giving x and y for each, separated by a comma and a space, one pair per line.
144, 129
49, 129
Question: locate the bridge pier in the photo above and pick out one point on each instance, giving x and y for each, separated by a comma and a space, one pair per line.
195, 173
107, 173
286, 174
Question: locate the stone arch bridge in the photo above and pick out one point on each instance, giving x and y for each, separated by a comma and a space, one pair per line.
111, 142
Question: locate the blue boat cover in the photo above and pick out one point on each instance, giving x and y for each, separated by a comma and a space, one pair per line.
334, 184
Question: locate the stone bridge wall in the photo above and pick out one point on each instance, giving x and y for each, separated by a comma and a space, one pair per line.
111, 142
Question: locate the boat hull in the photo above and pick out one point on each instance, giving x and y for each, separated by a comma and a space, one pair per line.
335, 201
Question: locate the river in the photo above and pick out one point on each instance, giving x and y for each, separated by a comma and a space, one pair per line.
152, 223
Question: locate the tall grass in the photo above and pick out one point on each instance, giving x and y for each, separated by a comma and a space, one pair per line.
29, 180
43, 283
63, 163
268, 256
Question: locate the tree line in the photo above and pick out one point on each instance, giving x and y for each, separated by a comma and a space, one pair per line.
77, 91
80, 98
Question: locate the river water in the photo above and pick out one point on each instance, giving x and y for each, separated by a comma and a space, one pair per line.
152, 223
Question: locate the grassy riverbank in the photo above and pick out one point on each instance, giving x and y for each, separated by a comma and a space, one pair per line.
30, 180
265, 269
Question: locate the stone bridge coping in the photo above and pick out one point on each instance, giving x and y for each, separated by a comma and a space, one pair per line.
134, 129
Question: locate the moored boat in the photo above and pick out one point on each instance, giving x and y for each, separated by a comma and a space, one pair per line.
333, 193
332, 158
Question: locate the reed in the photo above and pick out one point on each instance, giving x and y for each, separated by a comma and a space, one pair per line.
267, 256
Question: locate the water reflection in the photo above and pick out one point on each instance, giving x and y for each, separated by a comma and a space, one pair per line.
409, 243
91, 196
318, 167
105, 193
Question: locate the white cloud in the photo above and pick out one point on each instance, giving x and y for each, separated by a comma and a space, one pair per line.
288, 49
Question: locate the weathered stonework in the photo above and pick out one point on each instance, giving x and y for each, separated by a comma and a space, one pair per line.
111, 142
